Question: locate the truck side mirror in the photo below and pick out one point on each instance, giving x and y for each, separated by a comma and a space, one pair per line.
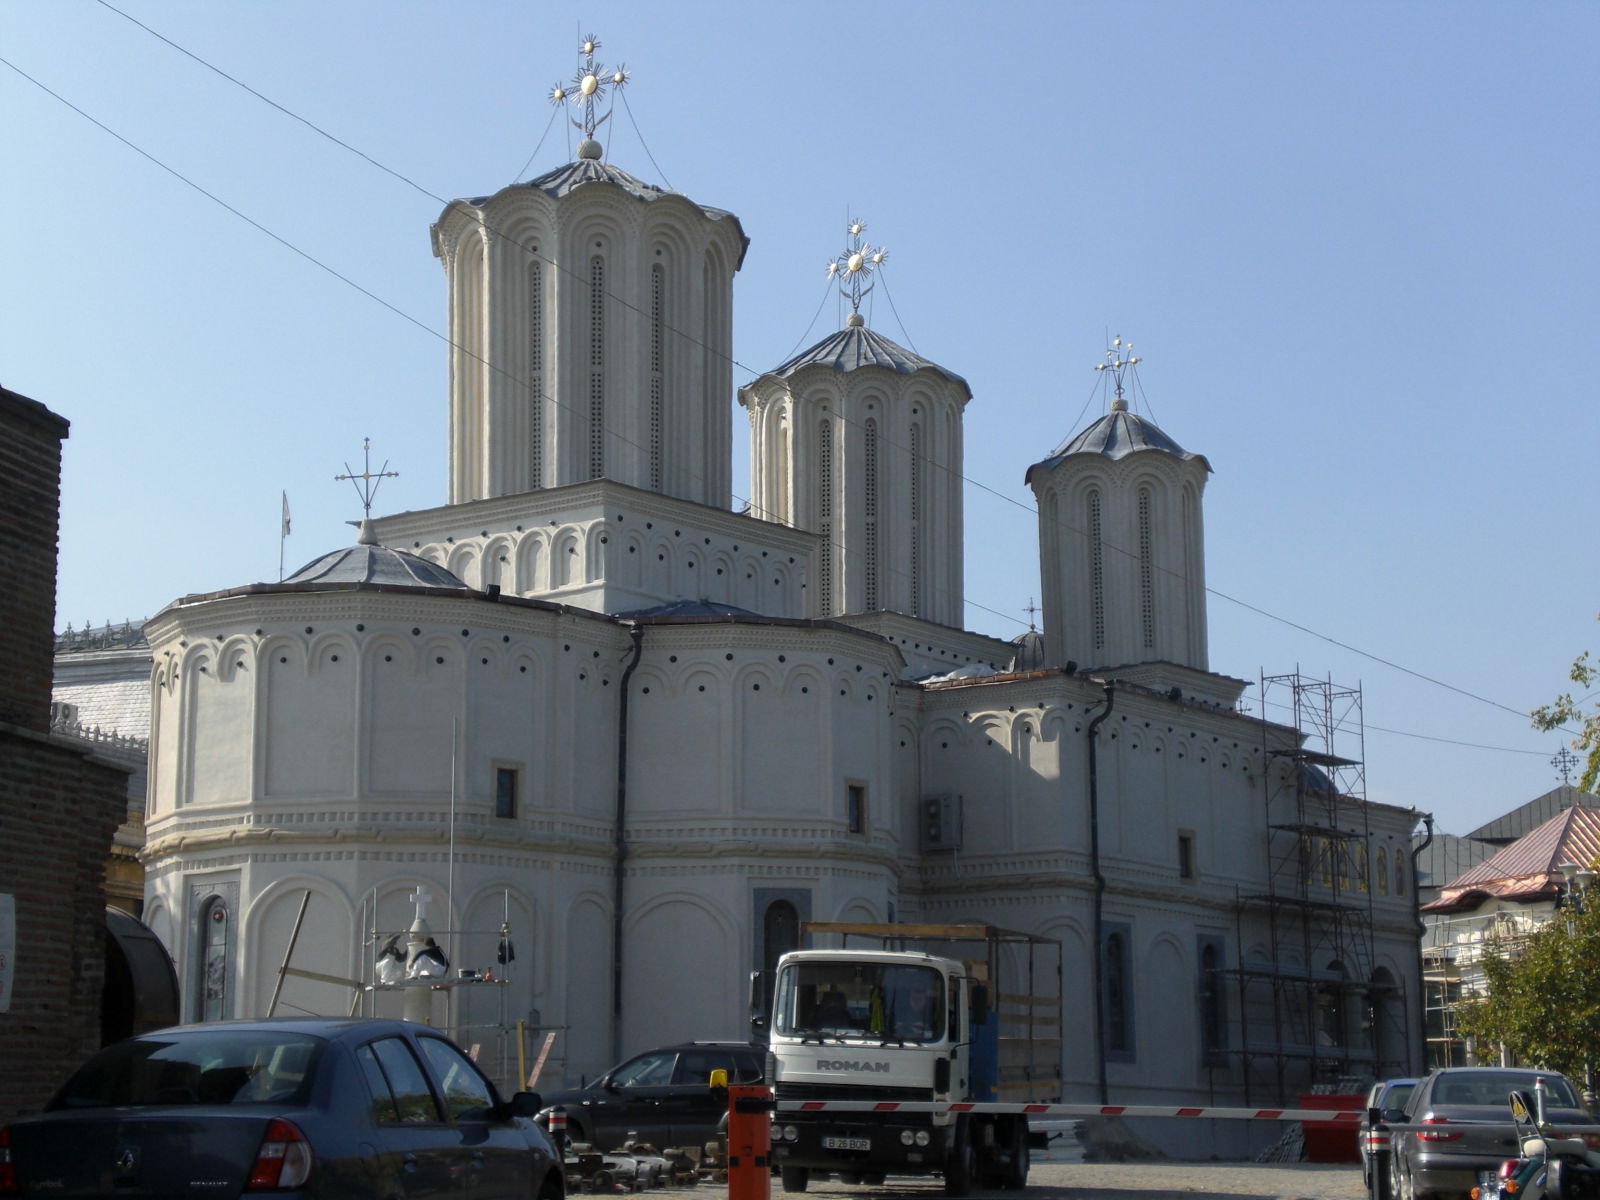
980, 1004
756, 1001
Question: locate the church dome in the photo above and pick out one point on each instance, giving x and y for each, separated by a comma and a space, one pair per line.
1029, 654
368, 562
855, 347
1117, 435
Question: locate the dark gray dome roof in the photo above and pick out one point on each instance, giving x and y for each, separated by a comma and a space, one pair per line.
857, 346
367, 562
1117, 435
563, 181
1030, 652
691, 608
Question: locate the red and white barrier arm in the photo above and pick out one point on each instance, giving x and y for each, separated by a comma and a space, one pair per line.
1325, 1115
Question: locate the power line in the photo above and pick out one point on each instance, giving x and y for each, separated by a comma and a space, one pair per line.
624, 303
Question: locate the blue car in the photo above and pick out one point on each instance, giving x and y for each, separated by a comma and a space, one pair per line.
305, 1107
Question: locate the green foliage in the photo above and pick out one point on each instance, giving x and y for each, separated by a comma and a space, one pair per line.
1567, 711
1544, 996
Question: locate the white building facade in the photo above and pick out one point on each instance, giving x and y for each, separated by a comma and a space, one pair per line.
586, 702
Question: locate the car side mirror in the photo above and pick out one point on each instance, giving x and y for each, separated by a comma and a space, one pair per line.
525, 1104
1393, 1116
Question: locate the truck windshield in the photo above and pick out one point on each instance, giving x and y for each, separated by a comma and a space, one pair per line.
875, 1000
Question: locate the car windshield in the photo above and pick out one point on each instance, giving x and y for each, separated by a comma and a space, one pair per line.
864, 999
211, 1066
1492, 1089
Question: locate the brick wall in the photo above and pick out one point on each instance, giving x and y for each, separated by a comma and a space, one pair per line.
59, 803
59, 807
30, 465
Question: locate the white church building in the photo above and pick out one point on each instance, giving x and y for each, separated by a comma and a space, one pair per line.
587, 707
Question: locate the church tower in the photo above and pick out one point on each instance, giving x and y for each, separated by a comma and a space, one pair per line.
591, 334
858, 440
1122, 542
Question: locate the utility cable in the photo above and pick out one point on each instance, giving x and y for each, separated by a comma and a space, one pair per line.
629, 306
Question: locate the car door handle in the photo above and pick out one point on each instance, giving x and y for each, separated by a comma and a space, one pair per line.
408, 1161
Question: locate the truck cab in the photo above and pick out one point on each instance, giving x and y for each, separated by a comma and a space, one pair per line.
855, 1034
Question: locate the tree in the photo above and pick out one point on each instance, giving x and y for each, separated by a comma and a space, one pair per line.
1544, 996
1566, 711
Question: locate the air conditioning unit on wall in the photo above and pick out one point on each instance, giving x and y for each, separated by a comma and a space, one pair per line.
939, 823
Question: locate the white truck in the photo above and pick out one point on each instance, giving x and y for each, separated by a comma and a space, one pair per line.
971, 1013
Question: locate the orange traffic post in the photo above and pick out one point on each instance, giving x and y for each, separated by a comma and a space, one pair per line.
749, 1142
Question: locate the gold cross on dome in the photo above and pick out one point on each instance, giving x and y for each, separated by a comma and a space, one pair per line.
854, 268
589, 85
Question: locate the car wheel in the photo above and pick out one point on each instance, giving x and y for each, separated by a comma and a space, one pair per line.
795, 1179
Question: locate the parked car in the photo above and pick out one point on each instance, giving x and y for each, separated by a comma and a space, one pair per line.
1386, 1100
662, 1097
1472, 1107
304, 1108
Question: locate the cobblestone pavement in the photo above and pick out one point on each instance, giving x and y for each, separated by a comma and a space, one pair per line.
1135, 1181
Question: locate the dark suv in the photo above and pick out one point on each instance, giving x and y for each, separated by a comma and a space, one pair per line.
662, 1096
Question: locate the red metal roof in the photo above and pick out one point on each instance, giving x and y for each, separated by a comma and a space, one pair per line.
1529, 868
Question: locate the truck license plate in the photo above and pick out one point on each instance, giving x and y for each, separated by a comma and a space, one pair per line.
846, 1143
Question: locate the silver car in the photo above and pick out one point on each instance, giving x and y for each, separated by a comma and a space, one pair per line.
1472, 1108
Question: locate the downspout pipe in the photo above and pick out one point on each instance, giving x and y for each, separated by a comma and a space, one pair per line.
1098, 951
620, 834
1422, 930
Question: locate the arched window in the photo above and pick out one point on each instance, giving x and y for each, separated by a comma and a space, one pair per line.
1213, 1014
1117, 981
1381, 870
215, 960
1330, 1009
535, 372
658, 324
597, 367
825, 516
1097, 574
915, 532
869, 517
1399, 875
1147, 586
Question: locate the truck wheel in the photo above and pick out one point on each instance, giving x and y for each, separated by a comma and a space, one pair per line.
1015, 1174
795, 1179
960, 1166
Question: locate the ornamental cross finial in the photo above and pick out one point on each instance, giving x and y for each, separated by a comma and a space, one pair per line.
854, 268
1563, 761
366, 483
1119, 358
589, 86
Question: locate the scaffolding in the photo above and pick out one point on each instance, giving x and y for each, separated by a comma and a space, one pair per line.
1314, 1014
1453, 950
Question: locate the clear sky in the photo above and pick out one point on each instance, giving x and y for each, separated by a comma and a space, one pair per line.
1355, 244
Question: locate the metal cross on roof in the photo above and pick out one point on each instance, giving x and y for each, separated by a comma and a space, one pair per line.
589, 85
1563, 761
366, 483
1118, 359
1033, 611
854, 268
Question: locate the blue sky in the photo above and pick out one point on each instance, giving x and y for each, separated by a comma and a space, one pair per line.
1355, 244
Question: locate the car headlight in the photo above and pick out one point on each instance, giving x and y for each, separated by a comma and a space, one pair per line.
791, 1133
923, 1137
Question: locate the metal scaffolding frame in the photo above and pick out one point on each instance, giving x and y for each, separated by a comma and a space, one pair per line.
1312, 1015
